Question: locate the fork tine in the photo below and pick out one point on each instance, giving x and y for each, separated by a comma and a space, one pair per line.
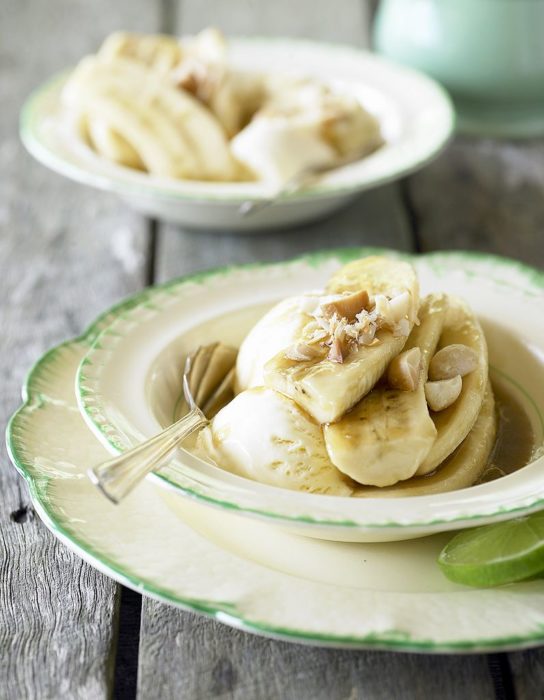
220, 397
208, 378
219, 364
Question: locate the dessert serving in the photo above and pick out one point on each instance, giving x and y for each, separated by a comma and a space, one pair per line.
178, 109
362, 389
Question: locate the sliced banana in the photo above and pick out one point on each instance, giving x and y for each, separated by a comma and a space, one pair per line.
172, 133
454, 423
112, 145
327, 389
462, 469
384, 439
389, 433
158, 51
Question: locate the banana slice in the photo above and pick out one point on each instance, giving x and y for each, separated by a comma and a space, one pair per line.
384, 439
327, 389
111, 145
158, 51
199, 65
389, 433
462, 469
172, 133
454, 423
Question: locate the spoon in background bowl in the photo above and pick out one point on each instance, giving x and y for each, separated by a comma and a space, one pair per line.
207, 386
297, 182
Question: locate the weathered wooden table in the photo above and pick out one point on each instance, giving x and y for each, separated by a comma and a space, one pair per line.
66, 631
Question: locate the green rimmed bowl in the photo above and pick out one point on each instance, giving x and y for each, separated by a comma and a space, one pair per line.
415, 113
130, 380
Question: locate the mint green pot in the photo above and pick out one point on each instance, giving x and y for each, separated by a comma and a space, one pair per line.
489, 54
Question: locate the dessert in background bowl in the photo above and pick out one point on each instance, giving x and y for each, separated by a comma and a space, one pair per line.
270, 443
176, 108
191, 129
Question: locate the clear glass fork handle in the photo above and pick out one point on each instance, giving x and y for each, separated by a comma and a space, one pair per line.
117, 477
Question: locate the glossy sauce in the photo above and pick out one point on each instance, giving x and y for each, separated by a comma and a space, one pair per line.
515, 443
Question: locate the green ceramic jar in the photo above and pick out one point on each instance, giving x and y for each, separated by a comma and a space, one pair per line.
489, 54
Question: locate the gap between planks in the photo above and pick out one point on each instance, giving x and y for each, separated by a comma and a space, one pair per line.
129, 612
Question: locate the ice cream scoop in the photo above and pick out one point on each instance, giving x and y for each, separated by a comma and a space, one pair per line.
263, 435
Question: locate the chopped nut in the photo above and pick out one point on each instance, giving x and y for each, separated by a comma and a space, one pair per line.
443, 393
317, 336
453, 360
346, 307
302, 352
402, 328
382, 307
336, 351
399, 306
403, 372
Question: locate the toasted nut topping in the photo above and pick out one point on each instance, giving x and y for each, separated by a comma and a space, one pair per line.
336, 351
403, 372
302, 352
347, 307
444, 393
453, 360
400, 306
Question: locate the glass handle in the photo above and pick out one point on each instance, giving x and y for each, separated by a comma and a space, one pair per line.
117, 477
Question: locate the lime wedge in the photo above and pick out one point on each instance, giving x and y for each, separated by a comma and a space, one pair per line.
495, 554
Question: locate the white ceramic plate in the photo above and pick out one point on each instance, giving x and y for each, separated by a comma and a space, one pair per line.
129, 382
258, 578
415, 112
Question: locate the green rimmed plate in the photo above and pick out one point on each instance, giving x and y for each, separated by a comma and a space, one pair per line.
130, 379
386, 596
415, 112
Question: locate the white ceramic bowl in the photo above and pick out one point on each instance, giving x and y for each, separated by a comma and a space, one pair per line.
415, 112
130, 380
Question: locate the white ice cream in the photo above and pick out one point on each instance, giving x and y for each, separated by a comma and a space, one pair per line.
278, 148
265, 436
301, 124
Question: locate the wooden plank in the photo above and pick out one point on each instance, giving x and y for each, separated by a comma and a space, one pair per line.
199, 659
315, 19
375, 219
184, 655
487, 195
66, 252
528, 674
483, 195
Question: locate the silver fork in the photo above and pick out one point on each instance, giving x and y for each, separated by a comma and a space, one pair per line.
207, 387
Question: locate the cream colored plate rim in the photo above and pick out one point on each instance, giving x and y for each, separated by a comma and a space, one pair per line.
142, 545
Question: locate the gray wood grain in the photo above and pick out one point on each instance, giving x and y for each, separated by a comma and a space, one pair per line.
195, 658
487, 195
484, 195
182, 654
528, 674
66, 252
346, 22
375, 219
